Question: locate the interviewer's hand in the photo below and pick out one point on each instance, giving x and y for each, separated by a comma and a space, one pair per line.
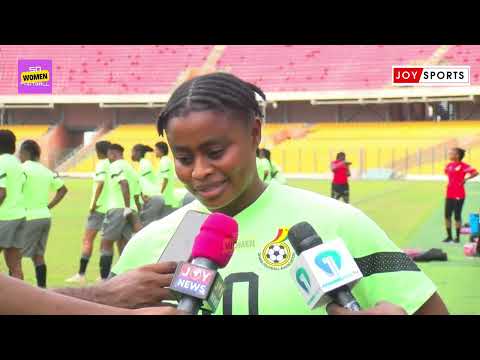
142, 287
381, 308
126, 212
159, 310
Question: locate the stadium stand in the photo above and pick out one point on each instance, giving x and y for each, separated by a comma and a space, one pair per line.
375, 145
314, 68
104, 69
127, 136
465, 55
24, 132
368, 145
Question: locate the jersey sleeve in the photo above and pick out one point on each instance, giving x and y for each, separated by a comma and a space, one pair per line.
145, 168
164, 169
117, 173
389, 274
57, 182
469, 169
3, 177
100, 172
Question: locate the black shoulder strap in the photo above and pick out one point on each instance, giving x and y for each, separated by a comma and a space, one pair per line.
382, 262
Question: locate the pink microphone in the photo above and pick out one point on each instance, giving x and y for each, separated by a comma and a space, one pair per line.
216, 239
198, 280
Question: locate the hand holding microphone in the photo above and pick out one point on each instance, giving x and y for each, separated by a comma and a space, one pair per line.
197, 282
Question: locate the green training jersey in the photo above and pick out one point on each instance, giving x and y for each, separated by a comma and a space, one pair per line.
262, 165
12, 179
166, 171
276, 174
261, 282
101, 175
148, 181
40, 181
121, 170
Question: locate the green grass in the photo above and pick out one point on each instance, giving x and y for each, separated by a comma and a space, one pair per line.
410, 212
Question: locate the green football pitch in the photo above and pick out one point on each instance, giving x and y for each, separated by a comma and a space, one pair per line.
410, 213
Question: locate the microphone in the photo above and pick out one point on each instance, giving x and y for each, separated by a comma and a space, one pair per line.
197, 282
323, 272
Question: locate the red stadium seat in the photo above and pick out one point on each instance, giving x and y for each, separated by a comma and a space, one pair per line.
103, 68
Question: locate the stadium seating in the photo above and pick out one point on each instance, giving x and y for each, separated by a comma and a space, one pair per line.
372, 145
104, 69
465, 55
368, 145
127, 136
312, 68
24, 132
142, 69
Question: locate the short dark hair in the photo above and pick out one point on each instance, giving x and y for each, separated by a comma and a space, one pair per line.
460, 152
341, 155
266, 153
116, 147
162, 146
31, 147
215, 92
142, 149
7, 141
102, 147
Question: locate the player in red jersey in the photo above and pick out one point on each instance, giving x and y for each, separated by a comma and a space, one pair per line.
341, 172
458, 173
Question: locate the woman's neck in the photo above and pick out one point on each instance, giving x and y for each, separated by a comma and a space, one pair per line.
250, 195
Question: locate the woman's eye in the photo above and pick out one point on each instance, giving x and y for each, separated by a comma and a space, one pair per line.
184, 160
215, 154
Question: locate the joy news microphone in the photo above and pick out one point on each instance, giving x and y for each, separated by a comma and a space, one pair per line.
323, 272
197, 283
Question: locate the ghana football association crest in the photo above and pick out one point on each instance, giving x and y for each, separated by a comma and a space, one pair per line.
277, 254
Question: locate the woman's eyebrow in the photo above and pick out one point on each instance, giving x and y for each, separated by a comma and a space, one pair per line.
206, 144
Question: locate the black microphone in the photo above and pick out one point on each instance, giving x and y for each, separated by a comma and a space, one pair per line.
303, 237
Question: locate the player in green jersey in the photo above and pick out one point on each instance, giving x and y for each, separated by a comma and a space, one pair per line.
98, 208
12, 209
39, 182
274, 171
263, 167
123, 205
214, 134
153, 203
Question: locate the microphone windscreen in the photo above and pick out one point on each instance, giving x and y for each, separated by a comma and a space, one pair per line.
298, 233
216, 239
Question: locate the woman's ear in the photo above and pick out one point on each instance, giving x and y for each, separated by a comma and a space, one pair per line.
256, 132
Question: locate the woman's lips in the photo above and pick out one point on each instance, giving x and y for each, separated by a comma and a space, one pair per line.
211, 190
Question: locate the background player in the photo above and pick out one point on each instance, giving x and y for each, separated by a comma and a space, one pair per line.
274, 169
458, 173
341, 172
121, 218
263, 167
153, 203
12, 209
166, 177
98, 208
39, 182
